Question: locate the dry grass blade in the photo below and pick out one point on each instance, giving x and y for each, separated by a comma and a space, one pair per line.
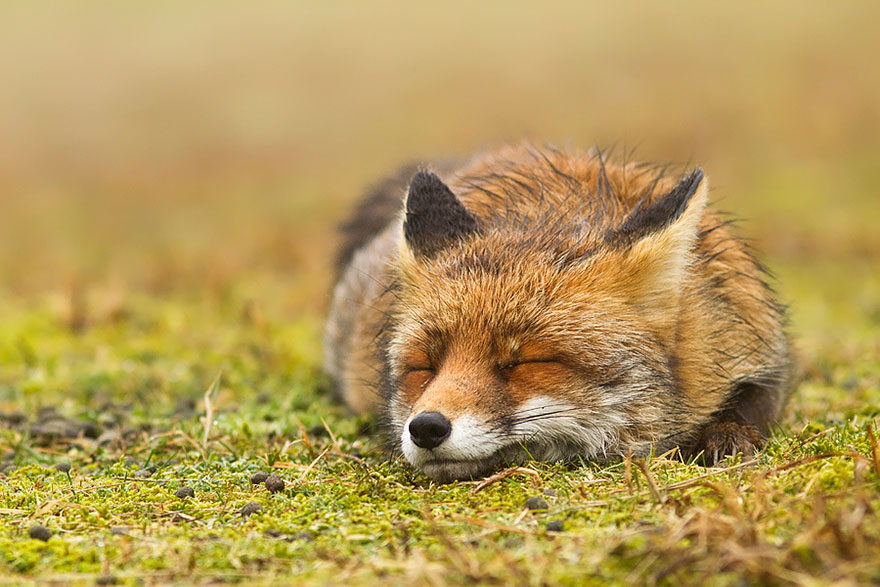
875, 452
11, 511
808, 440
311, 465
209, 397
505, 474
330, 433
699, 480
652, 483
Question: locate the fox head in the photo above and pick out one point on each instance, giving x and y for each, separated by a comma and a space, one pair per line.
523, 334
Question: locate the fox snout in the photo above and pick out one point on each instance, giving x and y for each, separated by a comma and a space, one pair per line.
429, 429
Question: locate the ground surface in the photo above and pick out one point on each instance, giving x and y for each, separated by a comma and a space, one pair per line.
169, 182
131, 390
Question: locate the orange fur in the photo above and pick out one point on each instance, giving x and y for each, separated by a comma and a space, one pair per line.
563, 286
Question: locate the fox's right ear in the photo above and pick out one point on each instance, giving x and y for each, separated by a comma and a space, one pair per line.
434, 216
651, 251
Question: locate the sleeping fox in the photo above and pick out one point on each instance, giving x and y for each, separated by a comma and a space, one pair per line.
532, 303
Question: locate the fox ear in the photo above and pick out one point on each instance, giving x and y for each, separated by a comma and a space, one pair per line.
661, 214
656, 244
434, 216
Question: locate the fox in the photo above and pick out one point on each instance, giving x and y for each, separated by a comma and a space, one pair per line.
532, 303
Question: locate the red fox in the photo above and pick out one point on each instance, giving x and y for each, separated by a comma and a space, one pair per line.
532, 303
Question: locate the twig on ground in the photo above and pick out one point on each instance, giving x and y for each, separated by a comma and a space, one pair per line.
652, 483
505, 474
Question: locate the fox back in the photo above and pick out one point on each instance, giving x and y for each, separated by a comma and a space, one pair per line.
537, 304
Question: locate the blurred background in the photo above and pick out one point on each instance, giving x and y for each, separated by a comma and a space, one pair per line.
192, 149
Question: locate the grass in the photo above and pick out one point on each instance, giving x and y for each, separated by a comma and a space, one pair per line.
166, 252
144, 375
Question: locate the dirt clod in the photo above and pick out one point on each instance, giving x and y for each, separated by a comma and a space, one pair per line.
537, 502
185, 491
251, 508
39, 532
48, 431
13, 419
274, 483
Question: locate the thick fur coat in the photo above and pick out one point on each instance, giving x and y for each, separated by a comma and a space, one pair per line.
534, 303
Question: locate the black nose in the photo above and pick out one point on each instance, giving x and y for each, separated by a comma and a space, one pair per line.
429, 429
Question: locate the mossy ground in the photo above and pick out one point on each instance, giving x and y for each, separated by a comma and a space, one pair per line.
805, 510
169, 181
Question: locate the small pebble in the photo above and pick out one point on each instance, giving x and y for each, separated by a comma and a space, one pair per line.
250, 508
555, 526
40, 532
185, 491
258, 478
274, 483
537, 503
90, 429
143, 473
47, 431
13, 418
63, 467
109, 437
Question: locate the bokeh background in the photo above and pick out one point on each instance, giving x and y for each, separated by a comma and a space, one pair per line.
196, 149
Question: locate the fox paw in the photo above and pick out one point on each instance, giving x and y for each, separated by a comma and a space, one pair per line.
723, 439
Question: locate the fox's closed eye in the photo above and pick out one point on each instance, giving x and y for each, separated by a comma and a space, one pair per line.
509, 366
414, 381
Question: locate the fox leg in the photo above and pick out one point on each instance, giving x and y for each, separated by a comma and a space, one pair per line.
742, 427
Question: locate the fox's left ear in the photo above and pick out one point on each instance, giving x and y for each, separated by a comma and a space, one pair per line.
434, 216
656, 243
